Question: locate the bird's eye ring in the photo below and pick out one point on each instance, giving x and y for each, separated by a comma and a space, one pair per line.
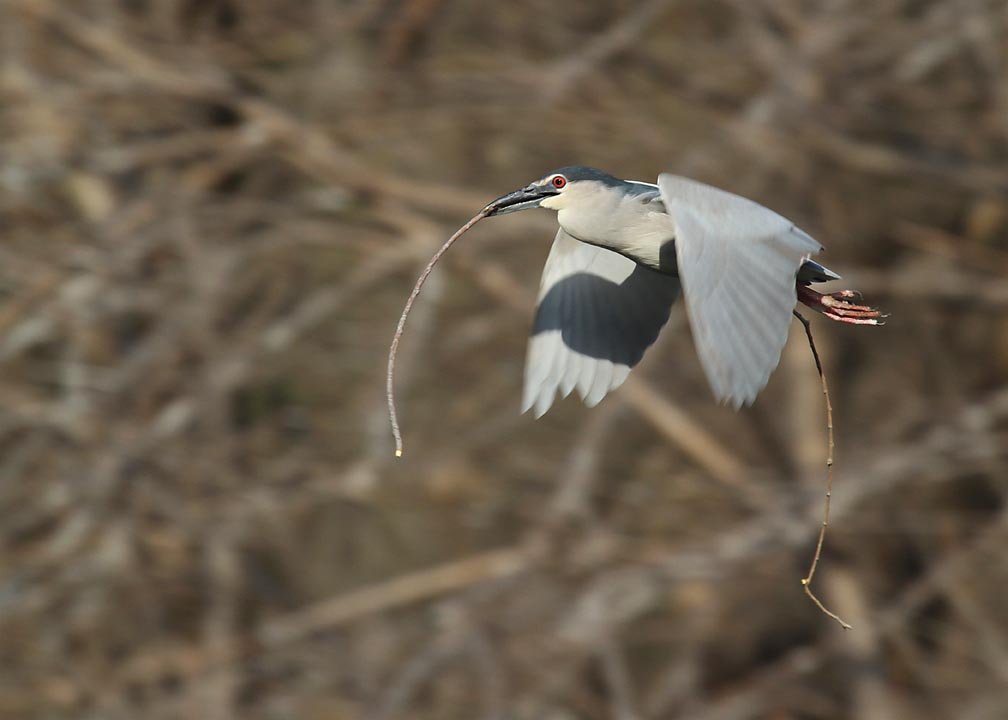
559, 181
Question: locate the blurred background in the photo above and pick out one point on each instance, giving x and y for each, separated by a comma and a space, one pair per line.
211, 212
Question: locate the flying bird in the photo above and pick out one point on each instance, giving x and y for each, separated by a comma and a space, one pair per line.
622, 254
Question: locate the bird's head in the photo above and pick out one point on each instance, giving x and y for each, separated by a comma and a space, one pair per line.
555, 191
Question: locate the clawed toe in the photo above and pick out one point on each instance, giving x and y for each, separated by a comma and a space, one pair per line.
834, 302
843, 294
856, 320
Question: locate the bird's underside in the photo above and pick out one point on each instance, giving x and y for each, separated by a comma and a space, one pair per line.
741, 268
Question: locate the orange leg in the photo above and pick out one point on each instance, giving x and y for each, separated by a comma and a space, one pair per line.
835, 306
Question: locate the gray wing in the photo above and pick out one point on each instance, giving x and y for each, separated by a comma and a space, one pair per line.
737, 264
597, 313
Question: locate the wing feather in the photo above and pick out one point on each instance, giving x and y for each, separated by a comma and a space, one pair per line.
737, 264
597, 313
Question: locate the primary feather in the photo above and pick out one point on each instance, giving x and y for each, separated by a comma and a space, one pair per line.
738, 263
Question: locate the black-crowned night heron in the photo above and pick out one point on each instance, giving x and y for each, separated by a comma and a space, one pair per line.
622, 252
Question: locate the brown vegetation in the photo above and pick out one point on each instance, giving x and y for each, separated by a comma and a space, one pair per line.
211, 212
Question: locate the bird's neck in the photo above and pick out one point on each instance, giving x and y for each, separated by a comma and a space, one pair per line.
633, 234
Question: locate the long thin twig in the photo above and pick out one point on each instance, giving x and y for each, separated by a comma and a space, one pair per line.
393, 348
807, 580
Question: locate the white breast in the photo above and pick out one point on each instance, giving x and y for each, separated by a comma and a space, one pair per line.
630, 225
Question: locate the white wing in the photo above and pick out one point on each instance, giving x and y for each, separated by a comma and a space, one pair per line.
737, 264
597, 313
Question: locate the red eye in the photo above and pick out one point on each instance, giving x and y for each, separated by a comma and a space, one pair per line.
559, 181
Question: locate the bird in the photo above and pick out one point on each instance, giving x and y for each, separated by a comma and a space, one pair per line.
624, 252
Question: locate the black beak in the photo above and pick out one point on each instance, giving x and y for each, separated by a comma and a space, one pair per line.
524, 199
